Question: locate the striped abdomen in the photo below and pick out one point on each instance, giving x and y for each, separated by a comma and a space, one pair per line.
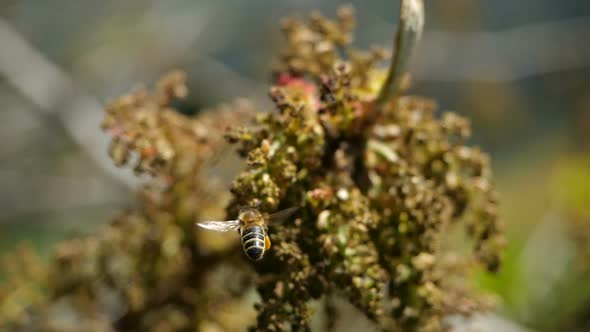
253, 242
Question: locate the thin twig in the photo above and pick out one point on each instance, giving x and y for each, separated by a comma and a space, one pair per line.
409, 31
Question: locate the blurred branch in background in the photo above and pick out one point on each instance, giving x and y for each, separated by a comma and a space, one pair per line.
62, 193
160, 36
508, 55
72, 111
56, 97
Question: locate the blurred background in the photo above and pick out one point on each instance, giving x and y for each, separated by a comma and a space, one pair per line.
518, 69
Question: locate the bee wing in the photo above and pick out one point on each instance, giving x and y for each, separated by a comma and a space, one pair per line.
282, 215
220, 226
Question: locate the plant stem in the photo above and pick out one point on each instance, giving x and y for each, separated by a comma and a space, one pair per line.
409, 31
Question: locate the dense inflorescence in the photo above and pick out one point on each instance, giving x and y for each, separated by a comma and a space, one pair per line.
379, 186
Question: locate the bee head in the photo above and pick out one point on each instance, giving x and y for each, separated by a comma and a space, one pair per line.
249, 215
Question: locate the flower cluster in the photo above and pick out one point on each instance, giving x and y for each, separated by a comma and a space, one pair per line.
379, 186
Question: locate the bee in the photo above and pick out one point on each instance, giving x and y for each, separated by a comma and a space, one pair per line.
252, 226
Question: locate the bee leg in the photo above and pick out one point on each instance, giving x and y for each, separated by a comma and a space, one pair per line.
266, 242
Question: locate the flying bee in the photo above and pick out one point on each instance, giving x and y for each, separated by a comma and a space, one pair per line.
252, 226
